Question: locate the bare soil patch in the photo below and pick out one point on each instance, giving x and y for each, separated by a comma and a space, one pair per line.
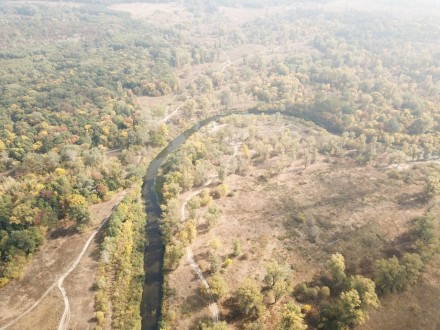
156, 13
242, 15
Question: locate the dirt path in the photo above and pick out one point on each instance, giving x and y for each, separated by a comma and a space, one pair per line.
213, 307
408, 164
30, 309
168, 116
60, 282
165, 119
229, 62
65, 318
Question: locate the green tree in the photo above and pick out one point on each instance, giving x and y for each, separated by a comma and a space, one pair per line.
337, 268
292, 318
218, 286
367, 291
78, 210
250, 299
226, 99
27, 240
390, 275
432, 185
274, 273
189, 232
173, 254
426, 231
350, 313
24, 214
413, 264
6, 206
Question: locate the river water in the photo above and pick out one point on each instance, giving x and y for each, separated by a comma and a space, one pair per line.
154, 250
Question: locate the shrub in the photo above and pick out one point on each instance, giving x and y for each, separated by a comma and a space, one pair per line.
390, 275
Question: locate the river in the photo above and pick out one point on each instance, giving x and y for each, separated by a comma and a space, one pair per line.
154, 250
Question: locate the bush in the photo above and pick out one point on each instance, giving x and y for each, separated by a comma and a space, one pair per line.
205, 198
299, 290
216, 263
390, 275
100, 318
236, 247
250, 299
3, 281
227, 263
324, 292
218, 286
221, 191
311, 293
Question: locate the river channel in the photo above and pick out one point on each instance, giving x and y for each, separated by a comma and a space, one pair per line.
154, 250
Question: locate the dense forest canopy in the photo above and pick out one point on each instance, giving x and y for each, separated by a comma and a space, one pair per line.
66, 98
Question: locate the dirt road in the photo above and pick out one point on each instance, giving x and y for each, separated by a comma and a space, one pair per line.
65, 318
54, 255
213, 307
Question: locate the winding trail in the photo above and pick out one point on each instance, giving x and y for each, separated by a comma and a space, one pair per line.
213, 307
168, 116
229, 62
65, 318
409, 163
30, 309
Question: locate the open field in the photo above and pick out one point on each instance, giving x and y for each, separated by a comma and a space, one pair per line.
346, 208
156, 12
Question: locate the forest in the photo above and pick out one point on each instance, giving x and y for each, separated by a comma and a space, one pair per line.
93, 90
65, 103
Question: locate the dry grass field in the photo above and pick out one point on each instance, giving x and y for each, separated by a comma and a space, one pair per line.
359, 211
54, 258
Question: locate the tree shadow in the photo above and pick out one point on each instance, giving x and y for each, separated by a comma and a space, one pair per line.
203, 228
234, 314
63, 232
194, 303
409, 201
